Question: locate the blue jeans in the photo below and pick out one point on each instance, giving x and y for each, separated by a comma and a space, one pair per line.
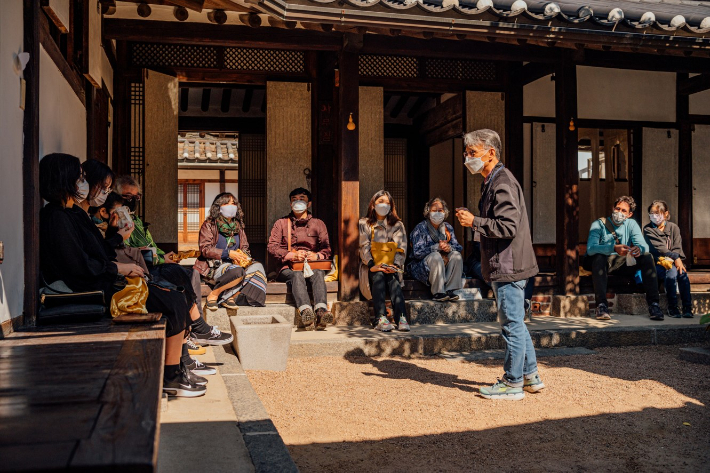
520, 361
669, 278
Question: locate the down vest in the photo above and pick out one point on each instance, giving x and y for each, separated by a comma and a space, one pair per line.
506, 247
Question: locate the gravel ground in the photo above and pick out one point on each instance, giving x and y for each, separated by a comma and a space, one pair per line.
621, 409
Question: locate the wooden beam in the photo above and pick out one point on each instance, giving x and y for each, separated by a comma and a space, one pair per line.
217, 16
196, 5
222, 124
514, 122
685, 167
144, 10
252, 20
184, 98
418, 104
348, 179
399, 106
533, 71
248, 95
226, 99
75, 81
567, 178
31, 200
205, 104
693, 85
276, 23
181, 13
171, 32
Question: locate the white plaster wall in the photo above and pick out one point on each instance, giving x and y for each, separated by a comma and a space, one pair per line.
539, 98
621, 94
11, 116
660, 171
211, 191
701, 176
544, 179
700, 103
62, 116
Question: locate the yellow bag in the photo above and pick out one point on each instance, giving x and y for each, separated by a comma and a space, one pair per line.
131, 299
665, 262
333, 274
383, 253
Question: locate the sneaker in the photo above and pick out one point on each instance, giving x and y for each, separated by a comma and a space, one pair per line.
655, 312
403, 325
201, 369
673, 312
383, 325
195, 349
500, 390
534, 384
452, 296
323, 318
298, 321
687, 314
213, 337
182, 386
603, 312
440, 297
194, 378
308, 319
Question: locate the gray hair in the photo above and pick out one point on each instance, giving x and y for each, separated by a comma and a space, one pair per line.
488, 138
125, 181
427, 206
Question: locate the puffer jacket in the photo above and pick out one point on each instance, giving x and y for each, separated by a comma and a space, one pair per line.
506, 246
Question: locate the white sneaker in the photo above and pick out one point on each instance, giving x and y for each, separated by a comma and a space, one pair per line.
384, 325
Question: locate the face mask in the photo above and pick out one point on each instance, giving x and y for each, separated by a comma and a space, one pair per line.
99, 200
618, 218
474, 165
436, 217
82, 190
382, 209
228, 211
299, 206
657, 219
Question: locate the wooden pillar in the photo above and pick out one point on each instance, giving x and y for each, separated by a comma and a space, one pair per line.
685, 168
514, 156
348, 176
222, 184
567, 178
30, 161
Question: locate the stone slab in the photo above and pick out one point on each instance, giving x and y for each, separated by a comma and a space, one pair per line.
570, 306
351, 313
430, 312
635, 304
261, 341
696, 355
500, 354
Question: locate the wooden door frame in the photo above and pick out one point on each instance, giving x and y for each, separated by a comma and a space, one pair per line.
184, 182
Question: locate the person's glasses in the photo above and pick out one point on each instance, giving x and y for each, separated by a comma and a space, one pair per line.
467, 154
129, 197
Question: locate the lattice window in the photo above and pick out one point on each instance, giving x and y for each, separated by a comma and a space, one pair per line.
252, 186
137, 148
371, 65
174, 55
272, 60
460, 69
396, 173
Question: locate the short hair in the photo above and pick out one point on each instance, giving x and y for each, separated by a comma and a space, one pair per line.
662, 206
125, 181
300, 190
427, 206
58, 174
629, 200
96, 173
488, 138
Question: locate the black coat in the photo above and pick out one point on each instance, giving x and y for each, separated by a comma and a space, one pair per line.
73, 250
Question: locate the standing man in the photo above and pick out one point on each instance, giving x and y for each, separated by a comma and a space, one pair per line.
507, 260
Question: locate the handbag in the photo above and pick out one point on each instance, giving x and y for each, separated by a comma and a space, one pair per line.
59, 304
131, 299
321, 264
383, 253
245, 259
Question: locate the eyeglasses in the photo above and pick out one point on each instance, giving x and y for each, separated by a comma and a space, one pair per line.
466, 154
129, 197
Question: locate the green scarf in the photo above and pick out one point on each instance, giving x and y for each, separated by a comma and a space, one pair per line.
227, 229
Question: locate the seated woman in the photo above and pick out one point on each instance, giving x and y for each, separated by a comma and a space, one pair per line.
382, 233
73, 250
664, 241
436, 255
221, 236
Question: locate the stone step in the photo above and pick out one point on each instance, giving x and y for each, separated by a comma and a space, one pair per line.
546, 332
635, 304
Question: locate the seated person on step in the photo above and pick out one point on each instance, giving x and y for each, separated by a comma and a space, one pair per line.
666, 245
225, 261
436, 255
617, 246
308, 242
383, 250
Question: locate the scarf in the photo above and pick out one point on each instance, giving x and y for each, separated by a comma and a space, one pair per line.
436, 235
227, 229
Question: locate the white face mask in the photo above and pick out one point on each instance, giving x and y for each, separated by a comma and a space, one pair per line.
228, 211
657, 219
436, 217
618, 218
99, 200
382, 209
474, 165
82, 190
299, 206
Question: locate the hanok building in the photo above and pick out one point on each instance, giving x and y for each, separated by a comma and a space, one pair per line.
592, 99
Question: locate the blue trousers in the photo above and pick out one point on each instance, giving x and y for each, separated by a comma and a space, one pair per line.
669, 278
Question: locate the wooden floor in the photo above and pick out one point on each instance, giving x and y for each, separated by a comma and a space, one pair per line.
81, 396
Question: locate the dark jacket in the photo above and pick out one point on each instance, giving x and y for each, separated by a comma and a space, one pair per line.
208, 245
73, 250
666, 243
308, 234
506, 247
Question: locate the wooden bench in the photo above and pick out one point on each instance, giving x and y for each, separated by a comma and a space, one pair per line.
279, 292
81, 397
